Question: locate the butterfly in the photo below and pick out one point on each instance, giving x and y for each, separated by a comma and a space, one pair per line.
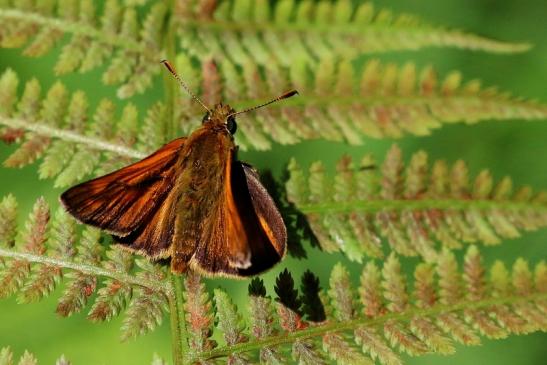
191, 201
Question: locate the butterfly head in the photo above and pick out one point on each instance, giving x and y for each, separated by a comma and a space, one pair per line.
222, 115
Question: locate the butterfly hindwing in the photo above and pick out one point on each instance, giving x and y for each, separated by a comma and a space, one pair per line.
121, 201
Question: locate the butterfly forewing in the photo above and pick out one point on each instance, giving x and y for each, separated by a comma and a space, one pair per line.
122, 201
154, 238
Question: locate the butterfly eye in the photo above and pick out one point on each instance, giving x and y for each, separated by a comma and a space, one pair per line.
231, 125
205, 118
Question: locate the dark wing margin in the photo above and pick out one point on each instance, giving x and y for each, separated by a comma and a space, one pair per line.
120, 202
263, 233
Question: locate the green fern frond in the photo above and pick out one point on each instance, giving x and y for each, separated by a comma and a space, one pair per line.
412, 207
384, 102
72, 141
340, 102
245, 30
231, 324
6, 358
441, 305
47, 252
114, 37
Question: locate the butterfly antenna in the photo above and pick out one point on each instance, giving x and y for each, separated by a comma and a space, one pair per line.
183, 84
286, 95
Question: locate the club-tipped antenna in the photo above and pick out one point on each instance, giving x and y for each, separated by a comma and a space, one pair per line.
183, 84
286, 95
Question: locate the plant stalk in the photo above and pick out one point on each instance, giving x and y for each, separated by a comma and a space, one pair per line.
374, 206
179, 338
171, 90
85, 269
179, 334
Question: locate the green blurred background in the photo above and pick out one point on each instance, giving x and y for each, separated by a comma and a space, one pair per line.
514, 148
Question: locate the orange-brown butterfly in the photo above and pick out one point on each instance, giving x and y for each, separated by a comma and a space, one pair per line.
191, 201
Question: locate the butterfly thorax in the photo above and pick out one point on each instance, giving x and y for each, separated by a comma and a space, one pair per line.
200, 184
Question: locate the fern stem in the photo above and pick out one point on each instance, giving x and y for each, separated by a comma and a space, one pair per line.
373, 206
71, 27
179, 336
170, 85
88, 269
70, 136
287, 338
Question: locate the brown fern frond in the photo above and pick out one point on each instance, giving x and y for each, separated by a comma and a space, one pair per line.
262, 321
33, 263
413, 207
33, 240
147, 307
394, 315
198, 313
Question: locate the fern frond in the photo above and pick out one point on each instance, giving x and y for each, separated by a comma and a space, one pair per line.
114, 37
244, 30
386, 102
198, 313
47, 253
288, 309
391, 318
231, 324
341, 102
413, 208
72, 141
62, 245
80, 285
262, 321
147, 307
8, 220
33, 240
6, 358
